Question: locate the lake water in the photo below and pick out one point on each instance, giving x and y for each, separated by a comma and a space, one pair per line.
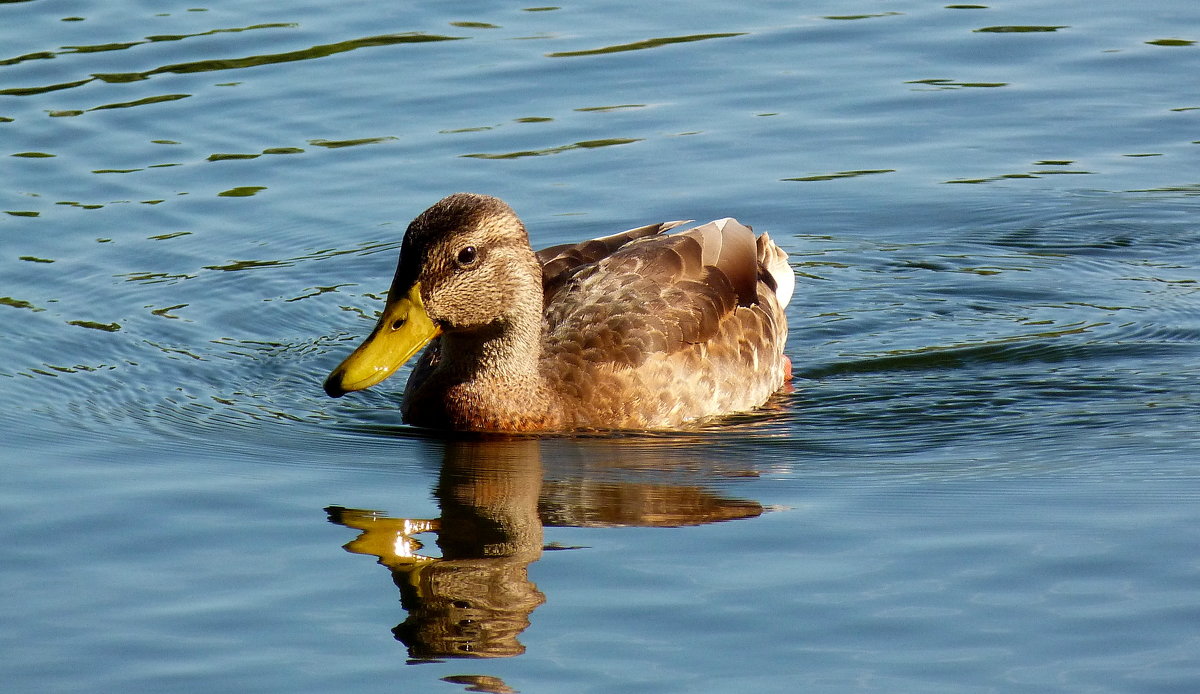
986, 479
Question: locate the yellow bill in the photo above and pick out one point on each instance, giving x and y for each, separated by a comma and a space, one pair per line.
402, 331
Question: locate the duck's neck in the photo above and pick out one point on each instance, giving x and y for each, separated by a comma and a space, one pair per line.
490, 379
506, 351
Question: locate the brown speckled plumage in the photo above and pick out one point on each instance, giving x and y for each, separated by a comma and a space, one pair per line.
639, 330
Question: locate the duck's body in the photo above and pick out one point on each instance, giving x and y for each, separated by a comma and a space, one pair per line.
639, 330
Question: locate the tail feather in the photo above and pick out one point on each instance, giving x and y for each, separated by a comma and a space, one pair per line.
775, 260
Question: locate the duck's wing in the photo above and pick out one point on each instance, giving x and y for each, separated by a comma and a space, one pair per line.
560, 262
666, 294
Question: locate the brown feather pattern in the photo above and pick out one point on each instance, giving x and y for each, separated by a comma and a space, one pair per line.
665, 330
638, 330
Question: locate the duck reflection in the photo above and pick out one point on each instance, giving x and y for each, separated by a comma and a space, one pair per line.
476, 598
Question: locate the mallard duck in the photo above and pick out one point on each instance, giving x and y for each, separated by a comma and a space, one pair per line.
638, 330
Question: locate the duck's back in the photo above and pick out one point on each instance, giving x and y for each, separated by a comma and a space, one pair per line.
645, 330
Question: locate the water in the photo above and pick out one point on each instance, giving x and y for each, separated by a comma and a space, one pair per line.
984, 481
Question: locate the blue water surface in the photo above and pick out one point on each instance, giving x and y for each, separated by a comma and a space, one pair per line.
984, 480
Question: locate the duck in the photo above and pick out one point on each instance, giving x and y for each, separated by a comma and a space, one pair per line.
640, 330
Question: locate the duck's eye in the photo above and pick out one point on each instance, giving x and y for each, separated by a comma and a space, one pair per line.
467, 256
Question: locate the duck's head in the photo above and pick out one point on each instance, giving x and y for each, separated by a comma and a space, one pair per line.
465, 266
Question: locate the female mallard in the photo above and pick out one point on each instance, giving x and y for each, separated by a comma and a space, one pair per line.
638, 330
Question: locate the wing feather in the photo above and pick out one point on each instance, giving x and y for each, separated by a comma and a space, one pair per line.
560, 262
652, 293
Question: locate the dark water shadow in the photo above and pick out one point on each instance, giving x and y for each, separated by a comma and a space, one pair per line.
495, 498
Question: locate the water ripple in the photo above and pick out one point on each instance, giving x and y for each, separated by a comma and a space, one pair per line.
642, 45
222, 64
98, 48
